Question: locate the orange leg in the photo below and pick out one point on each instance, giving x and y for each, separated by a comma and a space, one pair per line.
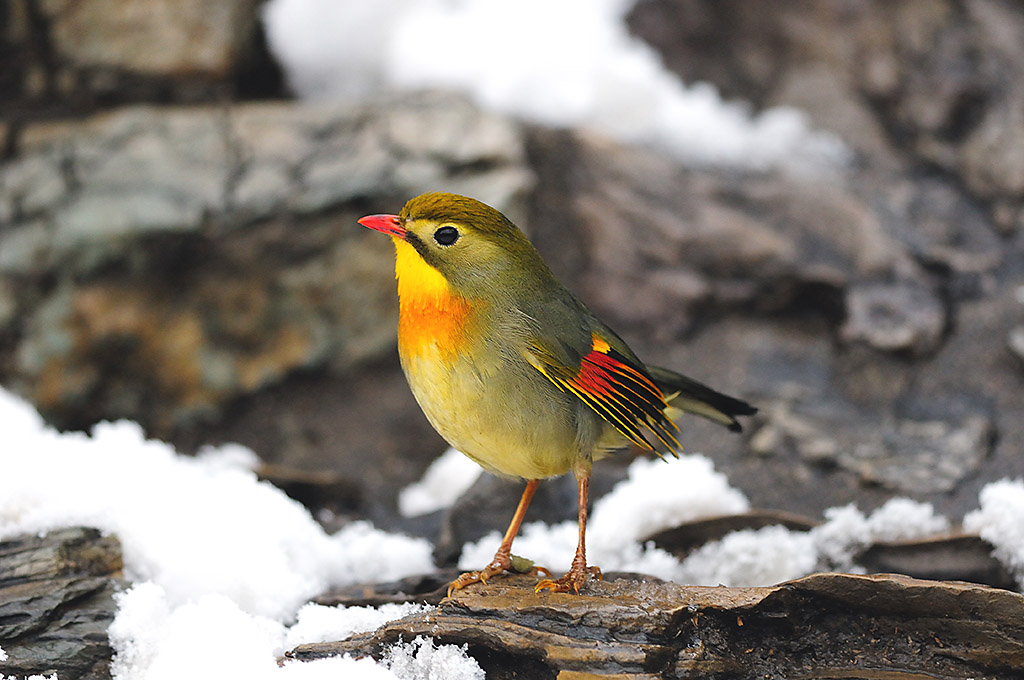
578, 573
503, 558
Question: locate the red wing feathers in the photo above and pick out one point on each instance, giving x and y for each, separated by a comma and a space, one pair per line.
619, 391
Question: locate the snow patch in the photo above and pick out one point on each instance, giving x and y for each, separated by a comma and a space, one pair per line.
317, 623
660, 494
445, 480
1000, 521
751, 558
902, 519
579, 67
212, 637
421, 660
774, 554
195, 526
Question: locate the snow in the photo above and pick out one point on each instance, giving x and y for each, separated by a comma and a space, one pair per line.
210, 635
1000, 521
750, 558
155, 641
774, 554
445, 480
317, 623
902, 519
167, 509
421, 660
660, 495
578, 67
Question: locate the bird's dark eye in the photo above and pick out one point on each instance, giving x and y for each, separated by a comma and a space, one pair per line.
446, 235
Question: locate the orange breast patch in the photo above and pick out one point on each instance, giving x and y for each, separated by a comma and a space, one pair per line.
440, 322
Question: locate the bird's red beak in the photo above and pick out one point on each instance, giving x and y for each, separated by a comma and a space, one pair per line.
386, 224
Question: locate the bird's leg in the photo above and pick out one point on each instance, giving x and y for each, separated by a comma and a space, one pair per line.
503, 558
578, 573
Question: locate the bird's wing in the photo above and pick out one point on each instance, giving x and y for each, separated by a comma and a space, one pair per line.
609, 380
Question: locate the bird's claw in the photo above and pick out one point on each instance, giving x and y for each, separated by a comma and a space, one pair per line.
573, 580
470, 577
499, 565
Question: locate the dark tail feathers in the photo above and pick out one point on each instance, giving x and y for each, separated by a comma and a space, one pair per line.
690, 396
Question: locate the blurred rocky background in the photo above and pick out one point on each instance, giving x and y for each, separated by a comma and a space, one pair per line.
178, 246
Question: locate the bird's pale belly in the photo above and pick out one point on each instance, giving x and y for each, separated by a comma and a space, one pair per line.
488, 414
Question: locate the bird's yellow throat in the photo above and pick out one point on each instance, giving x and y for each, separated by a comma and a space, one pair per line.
431, 314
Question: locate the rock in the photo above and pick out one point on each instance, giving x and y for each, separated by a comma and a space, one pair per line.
992, 154
915, 85
425, 588
56, 602
83, 54
158, 250
894, 318
675, 259
821, 626
947, 558
854, 289
685, 240
33, 187
168, 37
907, 455
920, 457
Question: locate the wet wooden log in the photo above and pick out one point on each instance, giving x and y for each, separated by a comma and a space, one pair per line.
823, 626
56, 603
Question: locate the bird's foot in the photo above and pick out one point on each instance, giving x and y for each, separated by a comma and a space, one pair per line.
493, 569
499, 565
573, 580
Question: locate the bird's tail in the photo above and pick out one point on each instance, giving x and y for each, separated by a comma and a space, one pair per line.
689, 396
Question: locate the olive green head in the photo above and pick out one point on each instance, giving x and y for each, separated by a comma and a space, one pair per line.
475, 247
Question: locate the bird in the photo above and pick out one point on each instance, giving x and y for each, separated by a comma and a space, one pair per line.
514, 371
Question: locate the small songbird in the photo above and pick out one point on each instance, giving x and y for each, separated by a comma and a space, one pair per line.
514, 371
